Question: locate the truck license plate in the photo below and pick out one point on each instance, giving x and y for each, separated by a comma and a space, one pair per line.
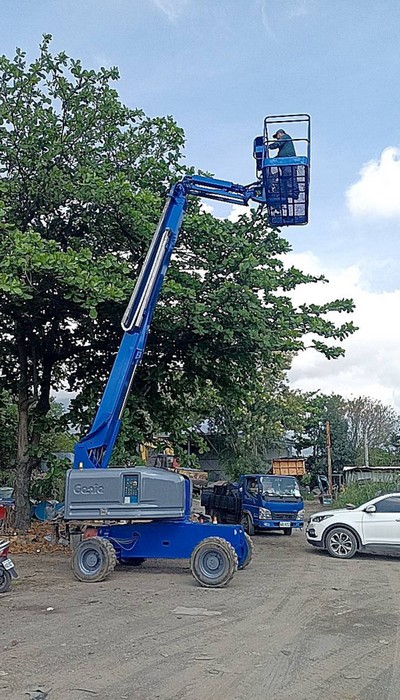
284, 524
7, 563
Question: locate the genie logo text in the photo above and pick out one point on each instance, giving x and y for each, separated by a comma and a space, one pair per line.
89, 490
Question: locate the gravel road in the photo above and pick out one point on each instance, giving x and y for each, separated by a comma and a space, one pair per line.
295, 625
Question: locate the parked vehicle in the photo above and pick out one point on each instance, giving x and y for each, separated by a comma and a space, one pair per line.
7, 568
372, 527
258, 502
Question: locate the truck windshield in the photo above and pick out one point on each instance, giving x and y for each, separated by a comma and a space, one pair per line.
280, 486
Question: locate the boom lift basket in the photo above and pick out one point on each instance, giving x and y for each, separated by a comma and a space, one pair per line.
285, 181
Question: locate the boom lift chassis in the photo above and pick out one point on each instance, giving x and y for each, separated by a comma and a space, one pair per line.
131, 515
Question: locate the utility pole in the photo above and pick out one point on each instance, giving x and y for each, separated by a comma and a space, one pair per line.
329, 455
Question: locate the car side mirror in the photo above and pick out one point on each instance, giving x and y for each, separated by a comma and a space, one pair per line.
370, 509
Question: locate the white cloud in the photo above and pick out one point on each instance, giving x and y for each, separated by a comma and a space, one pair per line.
171, 8
265, 17
206, 208
299, 8
377, 191
371, 365
237, 211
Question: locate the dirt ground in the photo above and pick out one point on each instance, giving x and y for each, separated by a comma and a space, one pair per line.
295, 625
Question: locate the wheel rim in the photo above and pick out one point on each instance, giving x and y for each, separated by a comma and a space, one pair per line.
341, 543
211, 564
89, 561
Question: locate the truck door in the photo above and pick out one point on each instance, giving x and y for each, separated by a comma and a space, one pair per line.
251, 496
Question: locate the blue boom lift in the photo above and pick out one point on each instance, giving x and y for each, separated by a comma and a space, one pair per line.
132, 514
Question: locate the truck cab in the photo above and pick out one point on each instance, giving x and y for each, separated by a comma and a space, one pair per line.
271, 502
258, 502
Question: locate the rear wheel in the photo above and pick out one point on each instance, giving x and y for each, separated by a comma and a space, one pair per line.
250, 552
213, 562
341, 543
247, 524
93, 559
5, 580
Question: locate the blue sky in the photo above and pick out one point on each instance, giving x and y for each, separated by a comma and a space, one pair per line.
219, 66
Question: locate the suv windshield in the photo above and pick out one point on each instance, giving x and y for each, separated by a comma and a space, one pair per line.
280, 486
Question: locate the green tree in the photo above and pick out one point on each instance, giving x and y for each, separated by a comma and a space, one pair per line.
8, 435
372, 425
81, 183
318, 410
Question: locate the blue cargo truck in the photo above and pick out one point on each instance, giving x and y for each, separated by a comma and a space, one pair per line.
258, 502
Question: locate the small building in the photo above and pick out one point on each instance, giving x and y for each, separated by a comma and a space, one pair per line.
363, 475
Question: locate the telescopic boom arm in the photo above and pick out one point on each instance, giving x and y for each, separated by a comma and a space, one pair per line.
271, 189
94, 450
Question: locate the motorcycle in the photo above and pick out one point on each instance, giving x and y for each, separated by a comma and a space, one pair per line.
7, 568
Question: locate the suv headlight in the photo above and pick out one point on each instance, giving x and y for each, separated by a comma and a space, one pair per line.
320, 518
300, 514
264, 514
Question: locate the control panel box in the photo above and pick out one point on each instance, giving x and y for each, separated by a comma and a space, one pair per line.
124, 494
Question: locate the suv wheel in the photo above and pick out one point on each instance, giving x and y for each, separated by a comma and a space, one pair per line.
341, 543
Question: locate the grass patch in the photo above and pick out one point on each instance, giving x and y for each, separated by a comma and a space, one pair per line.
357, 494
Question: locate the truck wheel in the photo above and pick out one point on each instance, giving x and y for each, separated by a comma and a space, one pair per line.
250, 552
213, 562
93, 559
341, 543
247, 524
287, 531
5, 581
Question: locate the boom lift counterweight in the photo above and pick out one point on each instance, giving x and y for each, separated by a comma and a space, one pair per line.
96, 494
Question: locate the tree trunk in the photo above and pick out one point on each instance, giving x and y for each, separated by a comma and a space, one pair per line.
24, 463
29, 434
23, 473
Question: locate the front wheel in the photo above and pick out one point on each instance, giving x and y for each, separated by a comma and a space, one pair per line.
5, 580
341, 543
287, 531
213, 562
93, 559
247, 524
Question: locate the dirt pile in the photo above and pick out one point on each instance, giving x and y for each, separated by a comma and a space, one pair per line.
40, 538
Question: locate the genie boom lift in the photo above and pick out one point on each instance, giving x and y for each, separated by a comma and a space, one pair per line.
136, 513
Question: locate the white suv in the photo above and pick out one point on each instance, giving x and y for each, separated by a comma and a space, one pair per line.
372, 527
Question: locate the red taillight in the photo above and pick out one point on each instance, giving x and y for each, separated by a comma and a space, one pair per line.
4, 552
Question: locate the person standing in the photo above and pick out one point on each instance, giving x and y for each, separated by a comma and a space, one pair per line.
285, 146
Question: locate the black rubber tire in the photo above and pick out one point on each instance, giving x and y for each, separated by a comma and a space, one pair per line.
135, 561
341, 543
93, 560
250, 552
5, 581
213, 562
287, 531
247, 524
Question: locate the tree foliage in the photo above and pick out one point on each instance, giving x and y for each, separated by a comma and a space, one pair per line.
354, 424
